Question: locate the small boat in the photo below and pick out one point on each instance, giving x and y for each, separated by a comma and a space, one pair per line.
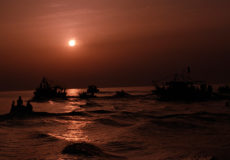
91, 90
224, 89
46, 91
182, 88
121, 94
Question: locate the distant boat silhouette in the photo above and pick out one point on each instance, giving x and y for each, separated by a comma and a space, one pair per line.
92, 89
224, 89
46, 91
121, 94
182, 88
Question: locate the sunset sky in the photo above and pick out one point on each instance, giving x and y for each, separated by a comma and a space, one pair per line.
118, 43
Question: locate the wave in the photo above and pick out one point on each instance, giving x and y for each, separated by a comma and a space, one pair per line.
111, 122
193, 156
101, 111
84, 149
24, 122
44, 137
39, 115
176, 124
204, 116
90, 104
118, 146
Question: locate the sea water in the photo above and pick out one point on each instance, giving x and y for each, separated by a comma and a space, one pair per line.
135, 128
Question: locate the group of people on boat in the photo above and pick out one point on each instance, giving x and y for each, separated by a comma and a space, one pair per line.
20, 108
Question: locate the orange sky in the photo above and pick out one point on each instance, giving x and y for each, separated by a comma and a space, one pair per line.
121, 42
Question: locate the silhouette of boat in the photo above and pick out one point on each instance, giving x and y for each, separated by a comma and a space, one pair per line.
47, 92
91, 90
182, 88
224, 89
85, 95
121, 94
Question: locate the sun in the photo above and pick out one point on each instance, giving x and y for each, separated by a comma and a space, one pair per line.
72, 43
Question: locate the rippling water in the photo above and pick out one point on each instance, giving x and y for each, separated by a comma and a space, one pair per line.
111, 128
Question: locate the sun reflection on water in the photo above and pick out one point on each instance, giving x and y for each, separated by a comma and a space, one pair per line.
73, 132
62, 106
74, 92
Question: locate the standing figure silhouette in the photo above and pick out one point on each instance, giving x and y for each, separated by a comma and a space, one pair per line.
19, 101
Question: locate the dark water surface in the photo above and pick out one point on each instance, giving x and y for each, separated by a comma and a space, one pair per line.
137, 128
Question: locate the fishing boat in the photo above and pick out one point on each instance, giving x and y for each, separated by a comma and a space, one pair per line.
183, 88
47, 91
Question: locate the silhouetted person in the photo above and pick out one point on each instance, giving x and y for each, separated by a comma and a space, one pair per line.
19, 101
13, 107
121, 93
29, 107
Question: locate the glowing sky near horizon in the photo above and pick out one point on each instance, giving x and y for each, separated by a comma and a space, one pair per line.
127, 42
